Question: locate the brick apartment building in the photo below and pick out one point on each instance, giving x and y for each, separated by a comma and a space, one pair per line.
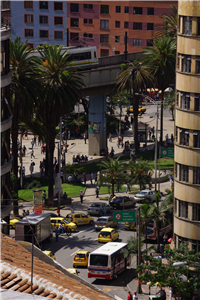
103, 24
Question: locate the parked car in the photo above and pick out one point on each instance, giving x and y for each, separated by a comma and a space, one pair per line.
49, 253
81, 259
97, 208
105, 221
56, 221
122, 202
130, 225
13, 220
73, 271
146, 193
79, 218
108, 235
141, 110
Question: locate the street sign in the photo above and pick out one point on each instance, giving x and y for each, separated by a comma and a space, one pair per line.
124, 216
167, 152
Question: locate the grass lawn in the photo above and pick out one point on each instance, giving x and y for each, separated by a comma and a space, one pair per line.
72, 190
165, 163
105, 190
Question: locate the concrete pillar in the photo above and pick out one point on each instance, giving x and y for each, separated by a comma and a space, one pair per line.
97, 124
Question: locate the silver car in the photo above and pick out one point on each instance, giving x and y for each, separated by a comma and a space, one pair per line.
105, 221
98, 208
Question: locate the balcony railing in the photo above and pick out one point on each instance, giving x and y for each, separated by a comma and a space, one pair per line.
5, 23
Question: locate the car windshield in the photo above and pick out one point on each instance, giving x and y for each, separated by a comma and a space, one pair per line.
95, 205
117, 200
102, 220
65, 221
80, 255
142, 193
98, 260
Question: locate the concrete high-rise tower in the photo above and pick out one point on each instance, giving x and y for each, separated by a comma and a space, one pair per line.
187, 127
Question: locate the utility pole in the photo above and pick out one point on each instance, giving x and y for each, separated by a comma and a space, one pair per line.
21, 171
125, 42
32, 249
59, 163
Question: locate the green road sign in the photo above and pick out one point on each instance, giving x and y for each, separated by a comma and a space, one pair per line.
167, 152
124, 216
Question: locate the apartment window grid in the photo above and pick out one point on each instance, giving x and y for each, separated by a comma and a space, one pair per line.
44, 19
58, 35
176, 169
196, 246
178, 62
184, 173
197, 65
177, 98
176, 132
137, 11
117, 39
150, 26
137, 26
196, 175
58, 20
88, 21
5, 4
137, 42
74, 36
187, 25
126, 9
118, 9
125, 24
175, 206
104, 38
44, 34
28, 4
150, 11
104, 52
88, 35
105, 9
196, 212
198, 26
197, 102
184, 137
185, 101
186, 63
104, 24
29, 33
58, 6
117, 24
183, 209
74, 7
43, 5
88, 6
74, 22
117, 52
181, 240
28, 19
196, 139
30, 45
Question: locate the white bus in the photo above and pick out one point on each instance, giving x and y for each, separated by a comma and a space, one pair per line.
108, 261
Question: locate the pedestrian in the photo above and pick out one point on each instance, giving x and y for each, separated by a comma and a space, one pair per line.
41, 150
23, 171
24, 213
68, 134
127, 187
61, 175
112, 153
72, 209
129, 297
162, 248
27, 213
32, 167
44, 196
41, 168
91, 177
97, 191
135, 297
172, 138
58, 212
26, 135
34, 140
61, 228
24, 150
39, 141
166, 137
84, 136
57, 233
32, 154
84, 178
165, 237
32, 143
110, 137
81, 196
170, 293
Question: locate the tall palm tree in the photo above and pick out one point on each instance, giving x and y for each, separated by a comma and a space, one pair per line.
112, 172
139, 173
145, 217
169, 25
62, 85
25, 89
161, 59
137, 76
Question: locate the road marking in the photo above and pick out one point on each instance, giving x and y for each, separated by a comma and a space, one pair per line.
74, 252
74, 234
95, 239
118, 298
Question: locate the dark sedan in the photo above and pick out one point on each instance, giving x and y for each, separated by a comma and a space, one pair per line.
122, 202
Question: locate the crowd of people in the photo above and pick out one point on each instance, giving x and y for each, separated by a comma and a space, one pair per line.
79, 158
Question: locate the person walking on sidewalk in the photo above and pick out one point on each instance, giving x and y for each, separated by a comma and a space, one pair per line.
129, 297
97, 191
84, 136
91, 177
57, 233
81, 196
135, 297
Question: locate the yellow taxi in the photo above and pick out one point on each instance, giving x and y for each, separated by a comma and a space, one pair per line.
141, 110
108, 235
130, 226
49, 253
79, 218
57, 220
81, 259
12, 222
73, 271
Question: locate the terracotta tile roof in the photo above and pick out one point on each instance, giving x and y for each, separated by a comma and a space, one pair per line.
47, 280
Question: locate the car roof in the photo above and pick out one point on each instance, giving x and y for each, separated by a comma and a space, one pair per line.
104, 217
107, 229
76, 213
82, 252
97, 203
146, 191
57, 218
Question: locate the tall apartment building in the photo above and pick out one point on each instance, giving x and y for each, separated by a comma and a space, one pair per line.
39, 22
6, 121
103, 24
187, 127
5, 9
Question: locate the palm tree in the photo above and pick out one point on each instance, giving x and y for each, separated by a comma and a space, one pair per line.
169, 25
139, 173
170, 103
113, 172
62, 85
161, 59
145, 217
136, 76
25, 89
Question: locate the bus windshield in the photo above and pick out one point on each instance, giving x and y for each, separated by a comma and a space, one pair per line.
98, 259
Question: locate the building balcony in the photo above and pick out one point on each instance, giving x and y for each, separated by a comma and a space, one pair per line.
6, 124
6, 166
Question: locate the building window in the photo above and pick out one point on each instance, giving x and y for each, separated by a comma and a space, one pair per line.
104, 52
104, 38
178, 61
197, 64
28, 4
88, 35
43, 5
5, 4
117, 52
74, 7
88, 21
186, 61
183, 209
196, 246
177, 98
150, 11
198, 26
197, 102
137, 11
126, 9
184, 137
196, 212
74, 22
185, 101
181, 240
150, 26
184, 173
44, 20
58, 20
118, 9
196, 139
117, 24
104, 24
28, 19
187, 25
58, 6
58, 35
29, 33
137, 42
105, 9
175, 206
137, 26
149, 43
175, 171
196, 175
88, 6
125, 24
30, 45
44, 34
117, 39
74, 36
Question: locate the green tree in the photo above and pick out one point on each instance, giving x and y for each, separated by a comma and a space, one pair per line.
112, 172
25, 88
169, 24
139, 173
145, 217
137, 76
161, 59
62, 85
184, 279
170, 103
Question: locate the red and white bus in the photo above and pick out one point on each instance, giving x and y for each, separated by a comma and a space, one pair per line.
152, 230
108, 261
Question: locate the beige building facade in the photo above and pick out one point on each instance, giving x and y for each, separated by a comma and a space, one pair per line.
187, 127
